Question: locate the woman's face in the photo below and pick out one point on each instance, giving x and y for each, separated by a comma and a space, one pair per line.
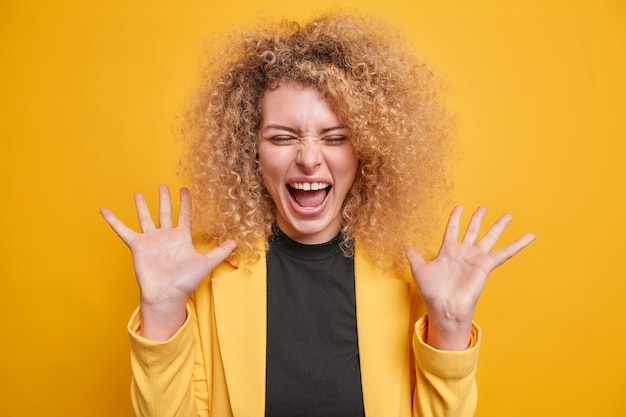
307, 161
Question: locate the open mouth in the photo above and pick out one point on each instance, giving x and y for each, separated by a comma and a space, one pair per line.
309, 194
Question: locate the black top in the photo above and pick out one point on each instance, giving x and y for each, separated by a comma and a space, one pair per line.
312, 346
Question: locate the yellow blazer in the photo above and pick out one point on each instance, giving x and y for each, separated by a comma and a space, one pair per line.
215, 364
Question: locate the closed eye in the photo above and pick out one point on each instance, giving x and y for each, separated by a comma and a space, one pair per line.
335, 139
282, 139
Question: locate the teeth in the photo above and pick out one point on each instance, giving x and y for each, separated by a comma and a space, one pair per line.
308, 186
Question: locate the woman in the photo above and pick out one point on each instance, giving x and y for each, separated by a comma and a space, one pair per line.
316, 160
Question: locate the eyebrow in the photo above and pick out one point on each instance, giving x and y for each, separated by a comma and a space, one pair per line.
292, 130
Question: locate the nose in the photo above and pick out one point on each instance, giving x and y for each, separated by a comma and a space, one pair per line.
309, 155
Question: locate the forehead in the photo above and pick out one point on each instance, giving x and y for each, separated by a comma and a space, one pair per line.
296, 104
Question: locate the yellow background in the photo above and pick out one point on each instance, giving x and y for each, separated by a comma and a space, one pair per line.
88, 94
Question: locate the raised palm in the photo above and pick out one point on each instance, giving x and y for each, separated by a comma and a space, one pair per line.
451, 283
167, 265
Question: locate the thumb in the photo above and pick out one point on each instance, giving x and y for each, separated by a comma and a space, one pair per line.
413, 256
218, 254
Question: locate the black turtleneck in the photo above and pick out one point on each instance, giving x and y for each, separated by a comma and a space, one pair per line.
312, 346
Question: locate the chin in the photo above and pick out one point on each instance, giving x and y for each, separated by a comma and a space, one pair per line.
310, 231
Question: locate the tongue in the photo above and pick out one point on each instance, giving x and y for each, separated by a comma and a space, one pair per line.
309, 198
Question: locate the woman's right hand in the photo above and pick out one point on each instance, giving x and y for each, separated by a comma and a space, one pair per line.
167, 265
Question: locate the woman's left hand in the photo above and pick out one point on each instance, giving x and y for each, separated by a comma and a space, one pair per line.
451, 283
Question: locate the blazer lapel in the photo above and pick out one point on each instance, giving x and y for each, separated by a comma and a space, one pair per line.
383, 313
240, 313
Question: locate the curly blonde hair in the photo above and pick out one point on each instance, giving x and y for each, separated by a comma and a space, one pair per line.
390, 101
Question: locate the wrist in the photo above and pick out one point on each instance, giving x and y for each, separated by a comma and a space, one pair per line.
454, 335
160, 321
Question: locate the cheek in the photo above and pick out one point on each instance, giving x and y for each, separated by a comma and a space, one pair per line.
349, 164
350, 174
267, 165
264, 161
274, 162
270, 174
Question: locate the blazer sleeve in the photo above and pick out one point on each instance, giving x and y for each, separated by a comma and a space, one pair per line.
445, 380
162, 382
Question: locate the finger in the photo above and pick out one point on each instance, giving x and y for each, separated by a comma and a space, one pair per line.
217, 255
143, 213
165, 207
491, 237
504, 254
454, 222
124, 232
473, 228
184, 215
